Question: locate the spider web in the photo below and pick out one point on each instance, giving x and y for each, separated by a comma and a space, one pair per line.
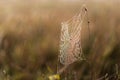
70, 43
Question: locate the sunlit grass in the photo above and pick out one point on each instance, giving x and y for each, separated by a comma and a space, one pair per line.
30, 34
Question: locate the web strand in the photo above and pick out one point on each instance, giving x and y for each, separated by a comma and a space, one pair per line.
70, 44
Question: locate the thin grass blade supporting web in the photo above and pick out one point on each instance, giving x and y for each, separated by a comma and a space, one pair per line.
70, 44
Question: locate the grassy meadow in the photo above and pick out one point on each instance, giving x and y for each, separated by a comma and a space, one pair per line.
30, 35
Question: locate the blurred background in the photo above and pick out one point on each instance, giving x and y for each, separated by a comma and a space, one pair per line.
30, 35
